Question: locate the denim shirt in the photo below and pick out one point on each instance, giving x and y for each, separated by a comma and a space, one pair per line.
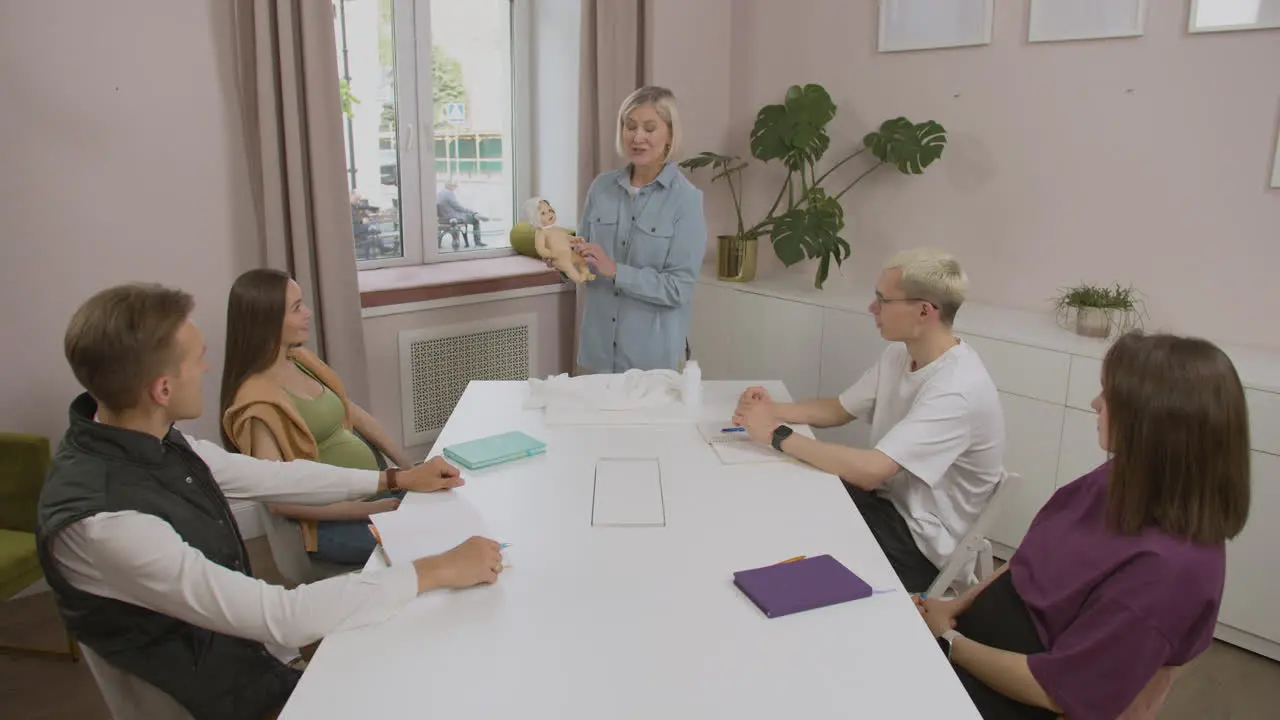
640, 319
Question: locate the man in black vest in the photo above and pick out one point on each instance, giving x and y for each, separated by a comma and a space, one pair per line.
139, 544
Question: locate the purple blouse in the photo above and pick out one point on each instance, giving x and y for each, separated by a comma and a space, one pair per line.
1111, 609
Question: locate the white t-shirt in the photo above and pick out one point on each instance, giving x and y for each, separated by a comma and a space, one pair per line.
943, 424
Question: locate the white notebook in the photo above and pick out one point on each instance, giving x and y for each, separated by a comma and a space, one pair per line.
722, 432
735, 447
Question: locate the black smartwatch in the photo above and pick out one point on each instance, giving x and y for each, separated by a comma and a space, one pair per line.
780, 433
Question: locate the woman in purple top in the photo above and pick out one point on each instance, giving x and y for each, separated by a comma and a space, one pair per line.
1121, 572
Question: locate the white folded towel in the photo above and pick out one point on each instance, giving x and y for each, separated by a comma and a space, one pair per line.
632, 390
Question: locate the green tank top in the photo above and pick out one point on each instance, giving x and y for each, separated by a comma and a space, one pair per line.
335, 444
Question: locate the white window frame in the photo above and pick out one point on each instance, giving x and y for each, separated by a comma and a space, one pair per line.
414, 121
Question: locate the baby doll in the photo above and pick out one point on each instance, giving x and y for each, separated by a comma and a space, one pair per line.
555, 242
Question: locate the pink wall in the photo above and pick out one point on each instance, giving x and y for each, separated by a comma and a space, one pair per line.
686, 52
123, 161
1096, 160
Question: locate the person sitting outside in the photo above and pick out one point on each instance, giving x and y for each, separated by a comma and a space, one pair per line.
448, 208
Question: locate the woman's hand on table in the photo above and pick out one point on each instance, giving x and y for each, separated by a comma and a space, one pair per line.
597, 257
431, 476
939, 615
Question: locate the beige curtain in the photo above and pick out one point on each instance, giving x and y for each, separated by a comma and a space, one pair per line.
288, 85
611, 65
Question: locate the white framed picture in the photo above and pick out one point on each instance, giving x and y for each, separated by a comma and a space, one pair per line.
1056, 20
1225, 15
928, 24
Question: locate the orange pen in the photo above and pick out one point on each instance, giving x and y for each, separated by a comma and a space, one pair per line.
791, 560
380, 550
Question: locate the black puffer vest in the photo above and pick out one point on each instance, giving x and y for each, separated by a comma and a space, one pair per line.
99, 468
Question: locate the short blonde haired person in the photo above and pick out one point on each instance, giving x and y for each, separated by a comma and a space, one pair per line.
644, 233
937, 429
663, 101
933, 275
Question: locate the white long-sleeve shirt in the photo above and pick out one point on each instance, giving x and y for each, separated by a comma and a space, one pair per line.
140, 559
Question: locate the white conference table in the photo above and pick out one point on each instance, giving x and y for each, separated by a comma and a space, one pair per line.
637, 622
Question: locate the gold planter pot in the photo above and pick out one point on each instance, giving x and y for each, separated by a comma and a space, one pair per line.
735, 258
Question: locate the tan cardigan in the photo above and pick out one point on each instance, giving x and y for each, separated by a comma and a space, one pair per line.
261, 398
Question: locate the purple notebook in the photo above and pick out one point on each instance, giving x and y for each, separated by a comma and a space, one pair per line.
801, 585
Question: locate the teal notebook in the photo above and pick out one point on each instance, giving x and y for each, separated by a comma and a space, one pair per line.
494, 450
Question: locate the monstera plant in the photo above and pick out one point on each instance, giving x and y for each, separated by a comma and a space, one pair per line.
794, 133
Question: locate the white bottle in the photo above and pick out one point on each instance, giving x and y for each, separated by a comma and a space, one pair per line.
691, 393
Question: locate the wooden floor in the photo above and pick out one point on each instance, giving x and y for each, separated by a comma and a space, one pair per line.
1225, 683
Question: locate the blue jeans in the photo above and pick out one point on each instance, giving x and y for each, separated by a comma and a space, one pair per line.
347, 542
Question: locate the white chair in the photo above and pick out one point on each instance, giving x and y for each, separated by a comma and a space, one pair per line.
287, 549
290, 555
129, 697
974, 548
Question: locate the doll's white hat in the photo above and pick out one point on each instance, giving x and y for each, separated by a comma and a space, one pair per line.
529, 210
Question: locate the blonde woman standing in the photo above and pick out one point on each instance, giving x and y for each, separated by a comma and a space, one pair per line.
645, 236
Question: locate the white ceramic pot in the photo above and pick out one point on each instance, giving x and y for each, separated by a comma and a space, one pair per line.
1093, 322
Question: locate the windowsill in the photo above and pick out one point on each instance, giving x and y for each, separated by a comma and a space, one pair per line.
419, 283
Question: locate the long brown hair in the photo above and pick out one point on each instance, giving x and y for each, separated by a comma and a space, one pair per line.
1179, 432
255, 326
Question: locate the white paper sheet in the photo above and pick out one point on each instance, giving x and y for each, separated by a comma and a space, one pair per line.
715, 433
416, 531
628, 491
735, 448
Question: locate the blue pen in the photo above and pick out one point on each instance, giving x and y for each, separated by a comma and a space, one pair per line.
733, 429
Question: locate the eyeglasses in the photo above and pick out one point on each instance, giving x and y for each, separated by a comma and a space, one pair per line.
882, 300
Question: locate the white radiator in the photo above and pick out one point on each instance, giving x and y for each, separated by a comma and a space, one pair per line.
437, 363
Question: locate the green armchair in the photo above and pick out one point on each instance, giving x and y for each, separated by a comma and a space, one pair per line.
24, 460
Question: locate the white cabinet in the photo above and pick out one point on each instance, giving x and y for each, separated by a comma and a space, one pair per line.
776, 340
1085, 382
851, 345
742, 336
1253, 581
710, 329
1264, 420
1032, 429
1079, 452
1024, 370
